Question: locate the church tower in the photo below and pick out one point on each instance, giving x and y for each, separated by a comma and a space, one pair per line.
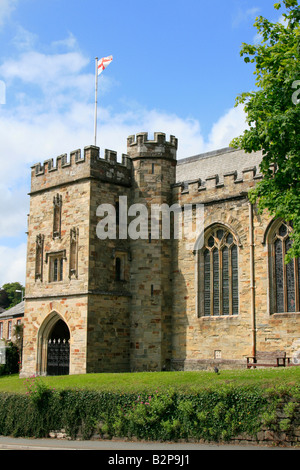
153, 167
97, 304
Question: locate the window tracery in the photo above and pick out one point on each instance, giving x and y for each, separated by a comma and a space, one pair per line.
219, 288
284, 276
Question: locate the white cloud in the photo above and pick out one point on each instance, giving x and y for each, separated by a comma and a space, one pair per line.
230, 125
42, 135
70, 42
13, 264
14, 207
58, 118
59, 71
6, 8
116, 128
55, 81
23, 39
242, 15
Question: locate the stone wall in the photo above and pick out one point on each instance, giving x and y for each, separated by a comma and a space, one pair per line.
199, 341
108, 333
150, 318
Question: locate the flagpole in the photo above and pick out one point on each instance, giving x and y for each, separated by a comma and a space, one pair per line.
96, 98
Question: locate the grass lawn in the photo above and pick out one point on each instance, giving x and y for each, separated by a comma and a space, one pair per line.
151, 381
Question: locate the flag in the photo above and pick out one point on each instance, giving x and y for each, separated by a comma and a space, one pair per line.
103, 63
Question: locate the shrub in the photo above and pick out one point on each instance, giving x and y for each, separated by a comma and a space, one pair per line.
211, 415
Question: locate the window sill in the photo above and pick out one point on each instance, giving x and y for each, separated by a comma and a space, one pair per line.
217, 317
284, 314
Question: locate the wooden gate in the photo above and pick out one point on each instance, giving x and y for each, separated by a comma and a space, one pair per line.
58, 357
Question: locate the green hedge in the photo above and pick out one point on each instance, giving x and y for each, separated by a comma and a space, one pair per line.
212, 415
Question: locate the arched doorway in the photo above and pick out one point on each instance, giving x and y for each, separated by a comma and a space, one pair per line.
58, 349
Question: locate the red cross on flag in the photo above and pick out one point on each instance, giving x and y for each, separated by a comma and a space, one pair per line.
103, 63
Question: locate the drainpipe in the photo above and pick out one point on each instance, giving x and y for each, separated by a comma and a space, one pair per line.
252, 278
252, 275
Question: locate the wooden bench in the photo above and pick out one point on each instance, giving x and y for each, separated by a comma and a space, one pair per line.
268, 359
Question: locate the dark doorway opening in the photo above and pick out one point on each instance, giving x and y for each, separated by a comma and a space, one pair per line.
58, 353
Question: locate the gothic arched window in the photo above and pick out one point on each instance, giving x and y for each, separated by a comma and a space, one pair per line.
218, 275
284, 277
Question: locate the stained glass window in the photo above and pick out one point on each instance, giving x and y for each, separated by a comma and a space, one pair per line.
234, 280
225, 280
286, 275
220, 274
206, 282
279, 276
216, 286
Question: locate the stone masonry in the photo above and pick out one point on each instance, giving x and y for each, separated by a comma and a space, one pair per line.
137, 304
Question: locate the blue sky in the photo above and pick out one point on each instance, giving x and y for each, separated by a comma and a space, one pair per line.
176, 69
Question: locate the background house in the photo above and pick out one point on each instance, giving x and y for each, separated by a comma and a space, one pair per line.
10, 318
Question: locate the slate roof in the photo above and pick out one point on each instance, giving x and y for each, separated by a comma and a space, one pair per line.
16, 311
217, 162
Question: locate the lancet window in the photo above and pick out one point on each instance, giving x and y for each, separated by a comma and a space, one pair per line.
284, 276
218, 274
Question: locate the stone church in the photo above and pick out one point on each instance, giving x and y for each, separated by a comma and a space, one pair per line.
148, 303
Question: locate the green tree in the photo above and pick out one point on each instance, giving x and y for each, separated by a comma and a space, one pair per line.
13, 296
4, 300
273, 116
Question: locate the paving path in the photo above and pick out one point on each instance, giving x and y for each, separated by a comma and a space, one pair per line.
111, 447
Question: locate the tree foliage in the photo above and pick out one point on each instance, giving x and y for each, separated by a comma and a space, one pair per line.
273, 116
8, 295
4, 300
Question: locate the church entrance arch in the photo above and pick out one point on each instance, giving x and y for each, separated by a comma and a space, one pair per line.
58, 351
54, 349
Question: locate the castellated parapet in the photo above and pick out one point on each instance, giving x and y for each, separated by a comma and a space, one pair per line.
218, 185
140, 146
79, 166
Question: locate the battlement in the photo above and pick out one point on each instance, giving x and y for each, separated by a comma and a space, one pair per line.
228, 182
80, 165
140, 146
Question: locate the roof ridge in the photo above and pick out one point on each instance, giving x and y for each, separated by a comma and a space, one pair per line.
211, 153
